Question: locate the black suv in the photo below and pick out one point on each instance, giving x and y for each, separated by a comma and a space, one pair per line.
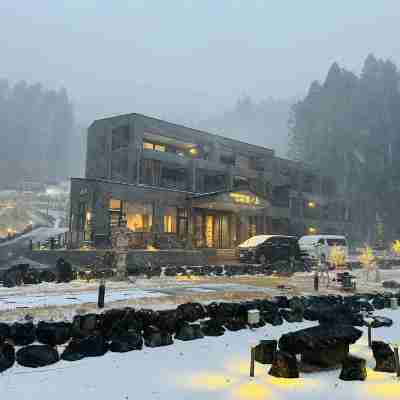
265, 249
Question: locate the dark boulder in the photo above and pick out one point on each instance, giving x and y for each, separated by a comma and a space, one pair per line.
22, 334
353, 369
212, 327
327, 358
378, 302
31, 277
379, 322
4, 331
281, 301
64, 270
318, 338
265, 351
112, 321
391, 285
189, 332
191, 312
291, 315
333, 315
154, 337
84, 325
167, 320
91, 346
35, 356
125, 342
7, 356
384, 357
272, 318
284, 365
235, 324
53, 333
47, 276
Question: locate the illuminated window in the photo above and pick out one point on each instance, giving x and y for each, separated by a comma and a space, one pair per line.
148, 146
152, 146
115, 204
209, 231
170, 220
139, 216
244, 199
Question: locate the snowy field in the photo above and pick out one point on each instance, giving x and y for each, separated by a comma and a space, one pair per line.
209, 368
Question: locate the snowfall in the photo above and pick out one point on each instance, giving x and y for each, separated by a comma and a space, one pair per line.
209, 368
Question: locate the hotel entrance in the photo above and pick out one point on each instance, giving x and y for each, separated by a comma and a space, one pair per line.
218, 218
218, 231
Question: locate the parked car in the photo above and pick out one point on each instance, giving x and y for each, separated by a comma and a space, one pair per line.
266, 249
319, 247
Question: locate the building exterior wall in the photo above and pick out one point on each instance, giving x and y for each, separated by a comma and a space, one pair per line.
123, 163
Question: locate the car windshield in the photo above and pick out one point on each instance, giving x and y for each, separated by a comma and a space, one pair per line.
255, 241
336, 242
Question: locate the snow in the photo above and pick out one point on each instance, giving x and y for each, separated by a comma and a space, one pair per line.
9, 303
210, 368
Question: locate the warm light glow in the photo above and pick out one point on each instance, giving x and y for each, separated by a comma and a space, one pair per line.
151, 248
311, 204
209, 231
252, 391
88, 216
159, 147
312, 230
244, 199
396, 247
337, 256
209, 382
367, 257
193, 151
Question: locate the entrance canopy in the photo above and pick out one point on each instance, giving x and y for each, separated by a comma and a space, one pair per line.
240, 200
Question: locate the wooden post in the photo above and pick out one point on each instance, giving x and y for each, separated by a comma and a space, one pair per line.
102, 292
397, 360
252, 360
369, 335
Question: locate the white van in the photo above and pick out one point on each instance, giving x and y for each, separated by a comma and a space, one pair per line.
319, 247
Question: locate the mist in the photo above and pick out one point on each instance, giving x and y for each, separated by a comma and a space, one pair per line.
191, 62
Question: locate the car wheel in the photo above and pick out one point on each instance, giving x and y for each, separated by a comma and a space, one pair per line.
262, 259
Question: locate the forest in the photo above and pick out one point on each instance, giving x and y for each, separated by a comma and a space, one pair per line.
348, 127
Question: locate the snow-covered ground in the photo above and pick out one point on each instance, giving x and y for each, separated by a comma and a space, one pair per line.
210, 368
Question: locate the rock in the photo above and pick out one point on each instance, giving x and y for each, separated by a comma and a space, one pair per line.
189, 332
381, 322
7, 356
378, 302
281, 301
265, 351
272, 318
353, 369
291, 315
91, 346
31, 277
84, 325
191, 312
53, 333
327, 358
384, 357
154, 337
212, 327
22, 334
334, 315
112, 321
235, 324
47, 276
318, 338
391, 285
4, 331
284, 365
35, 356
166, 320
125, 342
64, 271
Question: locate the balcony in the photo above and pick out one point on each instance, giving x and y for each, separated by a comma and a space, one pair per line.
166, 157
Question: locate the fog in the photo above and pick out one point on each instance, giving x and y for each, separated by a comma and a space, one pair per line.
188, 61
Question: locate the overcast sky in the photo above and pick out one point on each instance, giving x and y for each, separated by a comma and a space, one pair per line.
196, 57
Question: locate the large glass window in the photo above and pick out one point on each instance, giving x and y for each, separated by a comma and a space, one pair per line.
170, 218
139, 216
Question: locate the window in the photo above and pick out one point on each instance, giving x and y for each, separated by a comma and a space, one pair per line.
139, 216
120, 137
153, 146
336, 242
228, 159
170, 218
